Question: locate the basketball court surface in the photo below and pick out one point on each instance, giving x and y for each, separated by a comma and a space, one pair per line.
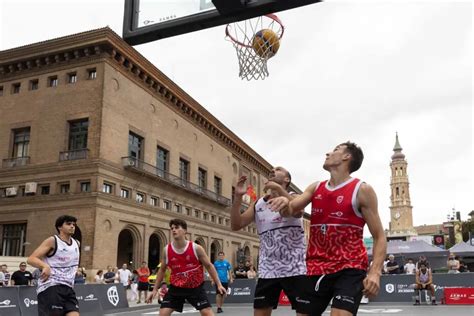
370, 309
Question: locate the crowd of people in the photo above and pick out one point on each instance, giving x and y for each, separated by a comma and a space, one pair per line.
454, 264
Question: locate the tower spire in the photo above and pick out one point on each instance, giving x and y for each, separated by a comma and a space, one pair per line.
397, 149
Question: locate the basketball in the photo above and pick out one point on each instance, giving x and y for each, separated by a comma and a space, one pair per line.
266, 43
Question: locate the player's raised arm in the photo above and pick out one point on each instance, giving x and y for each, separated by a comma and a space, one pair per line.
368, 204
240, 220
297, 204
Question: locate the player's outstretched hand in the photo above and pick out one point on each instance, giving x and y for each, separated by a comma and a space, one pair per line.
150, 297
279, 203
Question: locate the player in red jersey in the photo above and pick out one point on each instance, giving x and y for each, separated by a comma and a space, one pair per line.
336, 258
186, 260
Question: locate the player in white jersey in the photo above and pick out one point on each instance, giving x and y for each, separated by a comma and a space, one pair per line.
282, 251
58, 258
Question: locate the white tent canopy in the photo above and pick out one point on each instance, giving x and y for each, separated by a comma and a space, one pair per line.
463, 249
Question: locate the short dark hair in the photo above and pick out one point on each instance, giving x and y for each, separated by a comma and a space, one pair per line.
179, 222
220, 253
64, 219
356, 153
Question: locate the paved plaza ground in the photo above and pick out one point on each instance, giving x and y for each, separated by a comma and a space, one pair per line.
369, 309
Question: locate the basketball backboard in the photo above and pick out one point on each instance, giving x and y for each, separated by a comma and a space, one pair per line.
150, 20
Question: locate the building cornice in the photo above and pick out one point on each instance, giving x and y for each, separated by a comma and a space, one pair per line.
106, 43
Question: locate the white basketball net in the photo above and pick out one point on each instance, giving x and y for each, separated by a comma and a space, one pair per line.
241, 34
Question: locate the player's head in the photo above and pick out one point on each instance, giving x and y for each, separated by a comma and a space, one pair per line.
66, 224
347, 153
178, 228
281, 176
221, 255
423, 267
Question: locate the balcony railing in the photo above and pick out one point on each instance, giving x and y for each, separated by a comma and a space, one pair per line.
134, 163
15, 162
73, 154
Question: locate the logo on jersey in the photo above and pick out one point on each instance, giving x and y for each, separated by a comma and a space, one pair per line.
339, 199
318, 197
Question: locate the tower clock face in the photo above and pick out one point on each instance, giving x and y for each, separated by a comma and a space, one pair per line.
397, 215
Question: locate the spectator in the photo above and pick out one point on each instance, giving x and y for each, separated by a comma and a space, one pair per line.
134, 286
79, 278
421, 260
117, 276
36, 275
143, 274
424, 281
240, 271
410, 267
83, 271
462, 266
2, 278
21, 277
99, 277
251, 273
109, 276
453, 264
124, 276
392, 266
6, 275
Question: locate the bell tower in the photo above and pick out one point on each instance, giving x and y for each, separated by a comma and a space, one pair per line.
401, 217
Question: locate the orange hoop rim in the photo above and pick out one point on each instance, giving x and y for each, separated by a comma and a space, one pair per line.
270, 16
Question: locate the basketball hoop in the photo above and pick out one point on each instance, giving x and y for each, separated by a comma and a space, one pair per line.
255, 41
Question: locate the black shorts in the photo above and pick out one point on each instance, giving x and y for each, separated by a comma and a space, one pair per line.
267, 293
176, 296
225, 285
142, 286
57, 300
343, 287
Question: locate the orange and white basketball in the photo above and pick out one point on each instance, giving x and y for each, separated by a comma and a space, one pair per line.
266, 43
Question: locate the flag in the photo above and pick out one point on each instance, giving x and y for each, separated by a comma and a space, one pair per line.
251, 193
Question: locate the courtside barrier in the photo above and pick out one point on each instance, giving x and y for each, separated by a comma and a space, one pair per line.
93, 299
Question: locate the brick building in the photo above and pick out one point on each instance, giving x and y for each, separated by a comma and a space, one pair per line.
89, 127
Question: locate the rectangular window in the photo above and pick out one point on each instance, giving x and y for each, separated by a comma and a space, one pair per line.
44, 189
188, 211
227, 222
166, 205
205, 216
21, 142
221, 221
218, 185
13, 240
213, 218
183, 170
85, 186
197, 213
71, 77
64, 188
53, 81
78, 131
153, 201
1, 91
107, 188
140, 197
92, 74
16, 88
34, 84
125, 193
162, 163
135, 145
177, 208
232, 195
202, 178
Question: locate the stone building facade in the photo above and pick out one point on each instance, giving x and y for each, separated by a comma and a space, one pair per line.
89, 127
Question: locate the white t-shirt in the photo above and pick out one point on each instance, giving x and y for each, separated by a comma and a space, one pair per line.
124, 276
2, 279
98, 279
410, 268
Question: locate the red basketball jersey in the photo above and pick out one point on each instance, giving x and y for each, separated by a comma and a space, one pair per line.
336, 235
186, 269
